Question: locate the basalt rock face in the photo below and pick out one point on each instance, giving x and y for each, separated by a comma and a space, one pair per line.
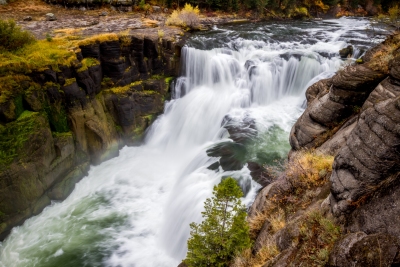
355, 115
56, 123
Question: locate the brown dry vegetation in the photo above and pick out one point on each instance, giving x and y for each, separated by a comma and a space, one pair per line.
380, 59
307, 173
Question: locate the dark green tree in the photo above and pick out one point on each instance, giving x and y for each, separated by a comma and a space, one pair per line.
224, 230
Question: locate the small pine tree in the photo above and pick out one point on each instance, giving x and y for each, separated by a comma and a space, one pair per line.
224, 230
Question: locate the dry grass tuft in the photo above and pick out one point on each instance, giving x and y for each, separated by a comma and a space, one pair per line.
262, 258
380, 60
308, 170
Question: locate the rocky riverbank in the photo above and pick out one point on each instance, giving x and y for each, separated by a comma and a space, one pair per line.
341, 211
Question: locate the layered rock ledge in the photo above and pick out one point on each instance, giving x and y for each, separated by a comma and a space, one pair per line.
346, 215
57, 121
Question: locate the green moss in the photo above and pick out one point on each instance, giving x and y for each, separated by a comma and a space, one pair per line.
87, 63
359, 61
147, 93
19, 108
62, 135
38, 56
11, 86
51, 84
15, 134
69, 81
57, 117
123, 89
106, 82
118, 128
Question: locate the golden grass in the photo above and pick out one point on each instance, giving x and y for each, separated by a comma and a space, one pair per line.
87, 63
150, 23
307, 169
67, 32
124, 89
105, 37
380, 60
262, 258
306, 172
277, 220
38, 56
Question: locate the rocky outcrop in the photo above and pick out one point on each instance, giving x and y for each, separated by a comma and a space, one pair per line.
355, 116
359, 249
333, 104
56, 122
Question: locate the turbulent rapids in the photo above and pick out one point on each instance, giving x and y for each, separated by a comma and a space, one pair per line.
135, 209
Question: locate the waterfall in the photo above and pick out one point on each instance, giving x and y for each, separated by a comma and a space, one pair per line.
135, 209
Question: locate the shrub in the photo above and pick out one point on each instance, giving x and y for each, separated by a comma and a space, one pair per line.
187, 17
12, 37
317, 237
394, 16
224, 231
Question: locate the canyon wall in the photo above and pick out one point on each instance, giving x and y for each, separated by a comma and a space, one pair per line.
56, 122
346, 215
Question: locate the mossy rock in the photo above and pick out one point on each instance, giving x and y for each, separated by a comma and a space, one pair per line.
16, 135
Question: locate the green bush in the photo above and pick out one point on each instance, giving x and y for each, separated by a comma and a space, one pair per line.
12, 37
224, 231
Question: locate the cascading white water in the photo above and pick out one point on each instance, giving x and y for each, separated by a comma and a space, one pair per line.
135, 210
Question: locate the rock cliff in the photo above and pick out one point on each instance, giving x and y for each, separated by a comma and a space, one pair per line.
56, 121
347, 214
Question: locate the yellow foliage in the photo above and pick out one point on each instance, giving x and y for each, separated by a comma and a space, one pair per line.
105, 37
308, 169
87, 63
38, 56
264, 256
174, 19
394, 13
187, 17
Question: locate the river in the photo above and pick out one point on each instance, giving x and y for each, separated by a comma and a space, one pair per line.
135, 209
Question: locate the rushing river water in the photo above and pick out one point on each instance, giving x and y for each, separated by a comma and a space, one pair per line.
135, 209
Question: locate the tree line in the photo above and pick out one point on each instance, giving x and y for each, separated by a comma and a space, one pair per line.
287, 8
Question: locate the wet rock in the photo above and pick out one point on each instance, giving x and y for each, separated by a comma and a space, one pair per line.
346, 52
27, 18
92, 51
240, 131
259, 174
74, 96
51, 17
85, 82
232, 155
104, 13
361, 250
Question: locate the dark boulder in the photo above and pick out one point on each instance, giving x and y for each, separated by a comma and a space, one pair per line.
346, 52
362, 250
259, 173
